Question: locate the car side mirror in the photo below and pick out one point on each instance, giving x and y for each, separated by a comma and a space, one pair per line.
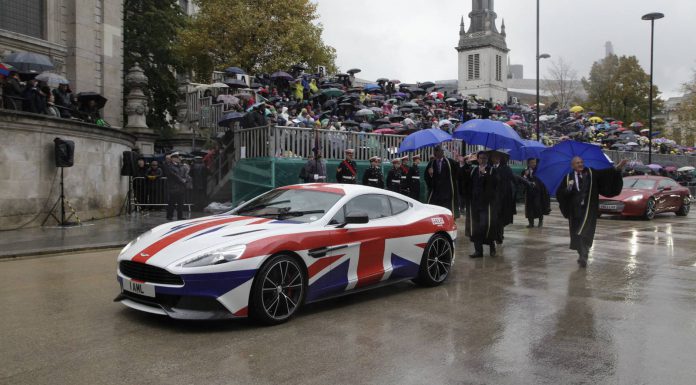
355, 218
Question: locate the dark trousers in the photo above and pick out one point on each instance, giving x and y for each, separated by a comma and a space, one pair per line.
581, 246
480, 232
176, 198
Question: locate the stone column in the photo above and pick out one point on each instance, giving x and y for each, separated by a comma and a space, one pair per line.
136, 109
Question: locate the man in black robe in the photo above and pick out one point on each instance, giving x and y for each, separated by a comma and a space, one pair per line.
505, 206
347, 171
373, 175
441, 178
414, 178
578, 198
536, 202
480, 185
394, 176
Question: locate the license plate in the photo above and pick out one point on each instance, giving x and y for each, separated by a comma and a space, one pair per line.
141, 288
608, 207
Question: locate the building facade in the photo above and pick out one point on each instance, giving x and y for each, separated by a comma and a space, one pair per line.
83, 38
483, 63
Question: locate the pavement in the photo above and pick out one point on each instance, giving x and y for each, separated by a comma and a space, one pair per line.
527, 316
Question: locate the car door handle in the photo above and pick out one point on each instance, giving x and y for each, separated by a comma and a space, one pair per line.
323, 251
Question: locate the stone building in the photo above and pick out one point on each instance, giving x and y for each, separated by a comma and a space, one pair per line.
483, 64
83, 38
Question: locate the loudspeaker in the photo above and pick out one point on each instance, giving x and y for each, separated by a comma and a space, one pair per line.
64, 152
129, 163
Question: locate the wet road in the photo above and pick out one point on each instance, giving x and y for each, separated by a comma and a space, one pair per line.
528, 316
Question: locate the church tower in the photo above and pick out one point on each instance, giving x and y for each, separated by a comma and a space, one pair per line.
483, 63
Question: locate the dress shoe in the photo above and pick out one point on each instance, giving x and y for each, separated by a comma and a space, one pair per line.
582, 262
541, 223
493, 252
476, 255
530, 226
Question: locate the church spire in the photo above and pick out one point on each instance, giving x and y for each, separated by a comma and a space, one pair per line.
502, 28
462, 29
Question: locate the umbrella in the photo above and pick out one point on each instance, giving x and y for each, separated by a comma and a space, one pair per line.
511, 123
5, 69
329, 104
576, 109
332, 92
686, 169
351, 123
236, 83
670, 169
230, 117
636, 125
281, 75
371, 87
395, 81
52, 79
426, 85
243, 96
387, 131
353, 71
381, 121
554, 162
396, 118
489, 133
364, 112
366, 126
219, 85
530, 149
84, 97
596, 119
632, 144
29, 62
234, 71
424, 138
382, 80
416, 91
654, 167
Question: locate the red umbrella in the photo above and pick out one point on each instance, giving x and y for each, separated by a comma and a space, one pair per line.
387, 131
511, 123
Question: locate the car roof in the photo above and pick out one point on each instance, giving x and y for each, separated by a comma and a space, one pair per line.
344, 189
651, 177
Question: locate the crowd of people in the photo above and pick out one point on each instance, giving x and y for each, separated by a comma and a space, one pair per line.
23, 92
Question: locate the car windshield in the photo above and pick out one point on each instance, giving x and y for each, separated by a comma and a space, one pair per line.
639, 184
290, 204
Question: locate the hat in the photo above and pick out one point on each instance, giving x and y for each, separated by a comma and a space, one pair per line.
173, 154
404, 157
350, 151
396, 160
416, 156
375, 159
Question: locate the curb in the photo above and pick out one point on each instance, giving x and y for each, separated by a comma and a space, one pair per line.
61, 250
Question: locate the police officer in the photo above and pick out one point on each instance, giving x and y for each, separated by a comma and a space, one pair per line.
394, 176
347, 171
405, 183
373, 175
414, 178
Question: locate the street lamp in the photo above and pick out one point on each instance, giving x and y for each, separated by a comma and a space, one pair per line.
652, 17
538, 101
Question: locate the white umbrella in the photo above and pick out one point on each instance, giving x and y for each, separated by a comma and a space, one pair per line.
632, 144
686, 169
219, 85
52, 79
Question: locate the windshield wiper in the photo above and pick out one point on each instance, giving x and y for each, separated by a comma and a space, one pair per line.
285, 212
262, 206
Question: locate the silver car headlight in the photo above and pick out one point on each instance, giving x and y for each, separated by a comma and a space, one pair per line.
131, 243
215, 257
636, 198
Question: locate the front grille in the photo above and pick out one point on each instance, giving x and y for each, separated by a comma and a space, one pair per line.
182, 302
149, 273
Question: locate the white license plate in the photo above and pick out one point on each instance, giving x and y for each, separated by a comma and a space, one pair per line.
138, 288
608, 207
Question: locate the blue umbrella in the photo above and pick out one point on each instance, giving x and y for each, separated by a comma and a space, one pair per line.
26, 62
424, 138
370, 87
530, 149
489, 133
230, 117
234, 71
554, 162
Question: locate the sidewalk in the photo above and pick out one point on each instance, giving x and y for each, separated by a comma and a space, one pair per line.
99, 234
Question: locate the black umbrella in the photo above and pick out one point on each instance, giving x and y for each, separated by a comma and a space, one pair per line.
236, 83
29, 62
395, 118
329, 104
381, 121
366, 126
416, 91
381, 80
234, 71
351, 123
256, 85
85, 97
281, 75
426, 85
404, 109
353, 71
345, 105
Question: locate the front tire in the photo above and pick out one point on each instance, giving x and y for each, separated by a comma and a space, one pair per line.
436, 262
278, 290
649, 209
685, 208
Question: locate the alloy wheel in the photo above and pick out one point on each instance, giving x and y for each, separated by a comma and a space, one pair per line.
439, 260
282, 289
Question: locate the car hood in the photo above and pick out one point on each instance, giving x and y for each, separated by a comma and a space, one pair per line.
627, 193
170, 243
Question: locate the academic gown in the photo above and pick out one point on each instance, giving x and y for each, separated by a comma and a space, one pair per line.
537, 202
507, 207
581, 207
480, 199
442, 185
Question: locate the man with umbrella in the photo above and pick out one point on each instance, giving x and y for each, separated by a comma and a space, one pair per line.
506, 206
347, 170
480, 186
405, 182
441, 179
414, 178
394, 176
537, 202
578, 198
373, 175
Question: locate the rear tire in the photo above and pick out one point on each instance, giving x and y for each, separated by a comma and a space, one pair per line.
278, 290
649, 209
436, 262
685, 208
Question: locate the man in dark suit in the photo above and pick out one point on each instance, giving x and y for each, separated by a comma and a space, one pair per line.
441, 178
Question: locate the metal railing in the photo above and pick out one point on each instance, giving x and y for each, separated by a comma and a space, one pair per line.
148, 192
661, 159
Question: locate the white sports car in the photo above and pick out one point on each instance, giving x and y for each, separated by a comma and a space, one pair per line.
292, 245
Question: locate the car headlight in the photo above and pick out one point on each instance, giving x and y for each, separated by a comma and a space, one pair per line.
635, 198
215, 257
131, 243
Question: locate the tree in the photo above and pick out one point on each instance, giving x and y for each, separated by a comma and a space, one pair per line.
562, 83
260, 36
619, 87
149, 37
686, 112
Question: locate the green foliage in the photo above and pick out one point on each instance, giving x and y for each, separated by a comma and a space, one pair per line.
150, 36
260, 36
687, 112
620, 88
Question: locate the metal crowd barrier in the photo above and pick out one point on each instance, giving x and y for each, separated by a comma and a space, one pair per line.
152, 193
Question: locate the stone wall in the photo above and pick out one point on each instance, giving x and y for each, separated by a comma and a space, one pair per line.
30, 181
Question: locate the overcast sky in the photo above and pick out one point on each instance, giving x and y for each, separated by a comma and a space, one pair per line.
414, 40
